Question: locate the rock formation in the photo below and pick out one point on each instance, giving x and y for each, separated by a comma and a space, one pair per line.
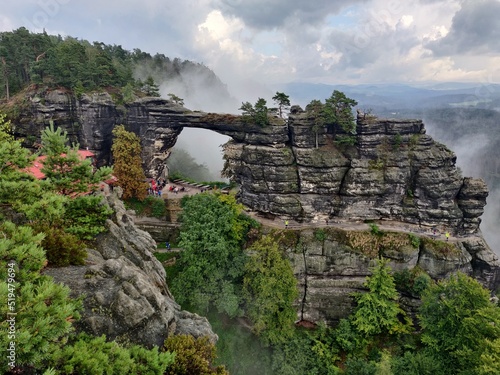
331, 264
395, 171
125, 292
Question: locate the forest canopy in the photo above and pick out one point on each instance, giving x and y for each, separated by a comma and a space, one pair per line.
54, 61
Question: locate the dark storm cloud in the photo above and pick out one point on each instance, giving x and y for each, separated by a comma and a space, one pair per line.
475, 29
270, 14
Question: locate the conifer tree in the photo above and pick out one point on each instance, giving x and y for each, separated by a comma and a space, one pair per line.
378, 311
43, 309
64, 168
128, 163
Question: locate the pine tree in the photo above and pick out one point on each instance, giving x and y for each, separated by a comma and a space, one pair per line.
128, 164
63, 166
378, 311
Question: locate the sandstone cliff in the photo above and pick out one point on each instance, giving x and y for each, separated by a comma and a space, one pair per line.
331, 263
124, 288
395, 171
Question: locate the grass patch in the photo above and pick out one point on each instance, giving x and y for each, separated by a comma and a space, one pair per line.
440, 248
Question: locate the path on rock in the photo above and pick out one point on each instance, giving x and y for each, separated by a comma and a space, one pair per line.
388, 226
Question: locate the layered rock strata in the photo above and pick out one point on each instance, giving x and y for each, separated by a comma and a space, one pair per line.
394, 172
332, 264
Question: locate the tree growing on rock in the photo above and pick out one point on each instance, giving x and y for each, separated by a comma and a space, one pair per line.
283, 102
176, 99
338, 113
128, 163
258, 113
315, 111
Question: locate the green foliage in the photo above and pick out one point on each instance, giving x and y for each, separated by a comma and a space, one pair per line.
415, 240
128, 163
346, 336
44, 310
94, 355
257, 113
128, 93
62, 248
377, 312
374, 229
283, 102
398, 141
150, 88
359, 366
338, 112
212, 232
459, 323
270, 288
315, 111
349, 140
192, 356
320, 234
182, 165
176, 99
63, 167
296, 356
85, 216
5, 129
419, 363
150, 206
413, 282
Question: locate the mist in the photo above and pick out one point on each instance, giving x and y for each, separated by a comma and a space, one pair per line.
204, 146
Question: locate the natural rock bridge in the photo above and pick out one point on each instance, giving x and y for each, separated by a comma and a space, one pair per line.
395, 171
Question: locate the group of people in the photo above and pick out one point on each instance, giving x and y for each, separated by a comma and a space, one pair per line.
176, 189
156, 186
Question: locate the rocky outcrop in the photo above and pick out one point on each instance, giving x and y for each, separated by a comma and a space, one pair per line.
125, 295
395, 171
331, 264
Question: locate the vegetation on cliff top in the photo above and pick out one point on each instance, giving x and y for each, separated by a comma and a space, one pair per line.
53, 61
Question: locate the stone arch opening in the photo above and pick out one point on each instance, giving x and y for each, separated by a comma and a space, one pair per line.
204, 147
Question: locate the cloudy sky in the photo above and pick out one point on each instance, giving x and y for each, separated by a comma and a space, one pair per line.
257, 42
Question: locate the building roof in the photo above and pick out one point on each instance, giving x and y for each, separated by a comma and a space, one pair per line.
36, 168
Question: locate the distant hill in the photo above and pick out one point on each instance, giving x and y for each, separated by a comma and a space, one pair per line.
55, 62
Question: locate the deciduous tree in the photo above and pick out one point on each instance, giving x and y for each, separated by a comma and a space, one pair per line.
460, 326
270, 288
128, 163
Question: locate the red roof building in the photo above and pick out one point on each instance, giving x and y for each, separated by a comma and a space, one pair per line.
36, 169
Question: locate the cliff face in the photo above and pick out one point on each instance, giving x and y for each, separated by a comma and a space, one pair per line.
125, 295
331, 264
395, 171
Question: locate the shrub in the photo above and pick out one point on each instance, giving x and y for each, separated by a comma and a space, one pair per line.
95, 355
192, 356
320, 234
62, 248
